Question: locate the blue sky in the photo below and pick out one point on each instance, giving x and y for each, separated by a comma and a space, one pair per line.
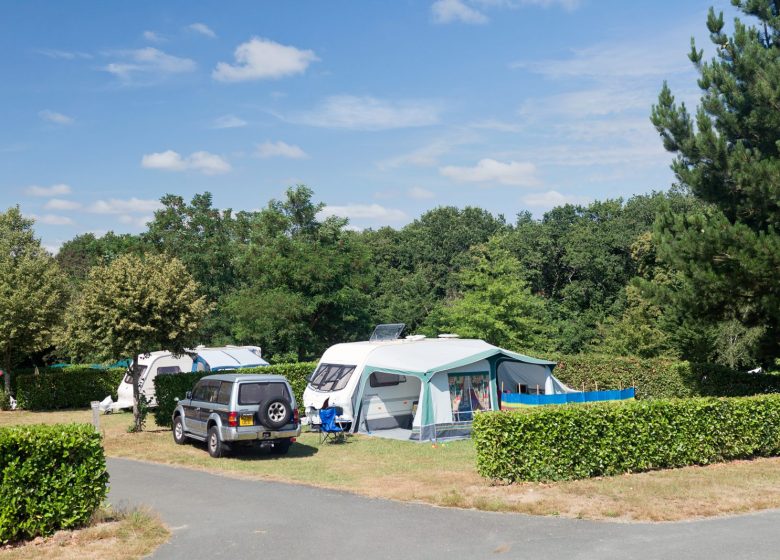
385, 109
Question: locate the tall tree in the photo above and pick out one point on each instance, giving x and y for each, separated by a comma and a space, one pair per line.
31, 292
496, 304
728, 156
305, 280
133, 306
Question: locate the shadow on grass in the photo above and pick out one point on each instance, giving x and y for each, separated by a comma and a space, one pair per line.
255, 452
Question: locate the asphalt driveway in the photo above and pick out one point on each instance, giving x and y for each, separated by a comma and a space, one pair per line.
219, 517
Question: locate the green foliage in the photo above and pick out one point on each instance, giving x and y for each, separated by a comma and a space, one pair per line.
167, 388
728, 156
660, 378
51, 477
31, 292
306, 281
72, 387
602, 439
77, 256
496, 305
416, 267
5, 400
135, 305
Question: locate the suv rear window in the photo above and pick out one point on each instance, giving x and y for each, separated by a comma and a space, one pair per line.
255, 393
331, 377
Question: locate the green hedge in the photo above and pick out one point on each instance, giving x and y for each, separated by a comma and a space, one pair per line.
72, 387
51, 477
169, 387
579, 441
661, 378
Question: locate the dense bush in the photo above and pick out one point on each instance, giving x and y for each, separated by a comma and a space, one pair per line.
51, 477
169, 387
660, 378
72, 387
578, 441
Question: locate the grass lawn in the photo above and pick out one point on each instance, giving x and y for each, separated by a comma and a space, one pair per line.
445, 475
123, 535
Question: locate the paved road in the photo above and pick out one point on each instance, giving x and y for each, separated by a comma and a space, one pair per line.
219, 517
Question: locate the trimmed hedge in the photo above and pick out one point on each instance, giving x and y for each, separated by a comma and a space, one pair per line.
661, 378
72, 387
169, 387
579, 441
51, 477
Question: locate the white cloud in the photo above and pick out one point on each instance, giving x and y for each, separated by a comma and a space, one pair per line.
61, 204
550, 199
203, 29
448, 11
260, 59
497, 125
52, 220
149, 61
364, 211
369, 113
229, 121
63, 55
602, 100
125, 206
620, 60
515, 4
135, 221
54, 117
208, 163
54, 190
419, 193
280, 149
516, 173
153, 37
205, 162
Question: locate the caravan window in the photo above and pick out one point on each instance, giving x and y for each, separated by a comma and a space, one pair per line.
379, 379
168, 369
331, 377
129, 376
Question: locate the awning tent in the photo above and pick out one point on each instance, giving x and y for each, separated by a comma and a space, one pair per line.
456, 378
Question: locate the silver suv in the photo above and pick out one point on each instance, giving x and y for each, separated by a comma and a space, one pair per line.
234, 408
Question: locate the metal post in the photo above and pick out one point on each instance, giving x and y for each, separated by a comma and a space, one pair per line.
95, 414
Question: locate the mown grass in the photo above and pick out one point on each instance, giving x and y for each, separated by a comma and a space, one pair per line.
445, 475
112, 535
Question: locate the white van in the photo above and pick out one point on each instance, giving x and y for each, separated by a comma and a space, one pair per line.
199, 359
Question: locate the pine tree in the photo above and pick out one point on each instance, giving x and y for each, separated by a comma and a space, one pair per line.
728, 156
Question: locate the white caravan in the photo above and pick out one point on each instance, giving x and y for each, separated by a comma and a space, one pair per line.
419, 388
200, 359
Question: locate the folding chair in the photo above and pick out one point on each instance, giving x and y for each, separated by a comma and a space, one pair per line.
329, 429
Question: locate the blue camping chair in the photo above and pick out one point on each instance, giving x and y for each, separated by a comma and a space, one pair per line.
329, 429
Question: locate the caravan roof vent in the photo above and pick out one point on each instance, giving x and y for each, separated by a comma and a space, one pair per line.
416, 337
389, 331
449, 335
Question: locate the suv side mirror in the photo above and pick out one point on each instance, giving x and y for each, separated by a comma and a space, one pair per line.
188, 395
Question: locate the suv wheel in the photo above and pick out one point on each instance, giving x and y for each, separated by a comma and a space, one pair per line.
275, 412
214, 443
178, 431
281, 446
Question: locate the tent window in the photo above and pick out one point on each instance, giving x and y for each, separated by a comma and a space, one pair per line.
468, 393
331, 377
379, 379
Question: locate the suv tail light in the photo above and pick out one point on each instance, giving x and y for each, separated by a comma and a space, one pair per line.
232, 419
296, 416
